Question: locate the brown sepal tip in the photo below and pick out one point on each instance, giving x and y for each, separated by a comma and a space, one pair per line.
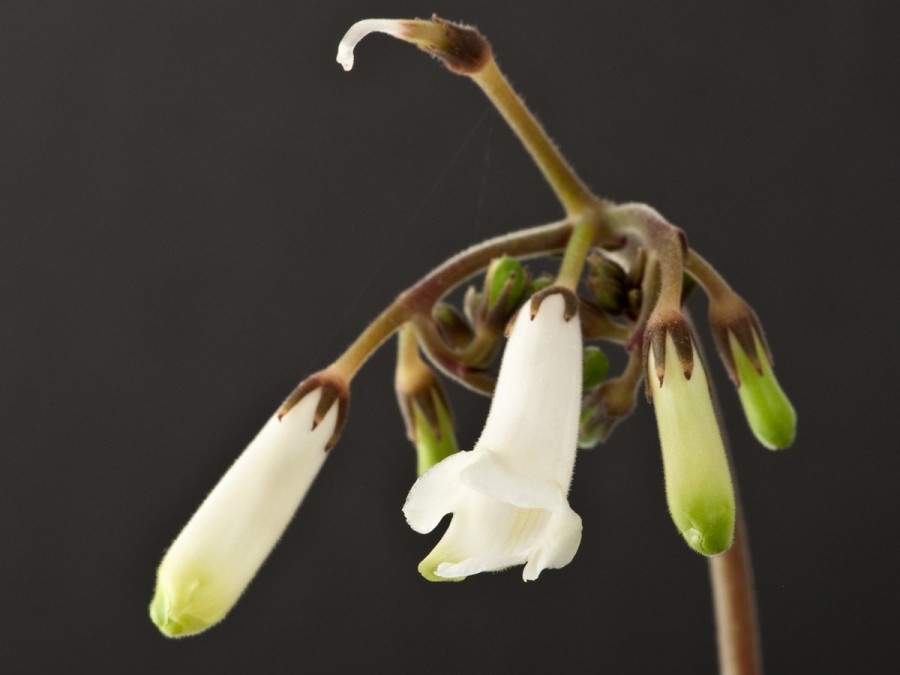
334, 390
466, 50
569, 297
426, 400
733, 316
654, 338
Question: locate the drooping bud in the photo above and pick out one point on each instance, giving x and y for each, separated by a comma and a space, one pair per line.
769, 412
423, 403
742, 346
604, 407
453, 326
698, 481
435, 436
219, 551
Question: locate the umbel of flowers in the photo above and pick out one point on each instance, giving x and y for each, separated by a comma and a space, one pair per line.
621, 281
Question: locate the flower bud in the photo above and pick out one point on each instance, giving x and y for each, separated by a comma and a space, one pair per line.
607, 283
217, 554
594, 367
504, 284
423, 403
603, 408
698, 481
742, 345
435, 439
769, 412
453, 326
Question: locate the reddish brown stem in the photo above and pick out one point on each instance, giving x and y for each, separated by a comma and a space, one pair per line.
734, 601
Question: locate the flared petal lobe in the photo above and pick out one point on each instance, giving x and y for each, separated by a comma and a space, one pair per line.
508, 495
218, 552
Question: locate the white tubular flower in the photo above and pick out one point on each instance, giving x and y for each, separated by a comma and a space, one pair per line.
219, 551
508, 496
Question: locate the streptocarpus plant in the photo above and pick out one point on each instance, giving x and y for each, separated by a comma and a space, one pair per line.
621, 280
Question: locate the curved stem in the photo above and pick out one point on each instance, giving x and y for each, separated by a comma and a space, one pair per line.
574, 195
663, 241
448, 360
421, 297
706, 275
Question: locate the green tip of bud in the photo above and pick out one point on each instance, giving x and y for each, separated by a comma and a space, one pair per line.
434, 445
768, 410
170, 622
707, 527
594, 367
506, 278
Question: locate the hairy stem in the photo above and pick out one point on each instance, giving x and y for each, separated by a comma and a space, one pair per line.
571, 191
706, 275
421, 297
664, 242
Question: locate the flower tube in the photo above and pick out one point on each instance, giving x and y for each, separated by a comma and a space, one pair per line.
508, 496
218, 552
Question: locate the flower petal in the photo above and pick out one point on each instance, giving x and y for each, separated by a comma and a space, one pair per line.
436, 493
491, 475
560, 543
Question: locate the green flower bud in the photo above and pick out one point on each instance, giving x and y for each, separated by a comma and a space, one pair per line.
769, 412
594, 367
423, 403
505, 280
698, 481
454, 328
433, 442
606, 282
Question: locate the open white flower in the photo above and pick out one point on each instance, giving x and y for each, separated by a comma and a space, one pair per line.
508, 496
219, 551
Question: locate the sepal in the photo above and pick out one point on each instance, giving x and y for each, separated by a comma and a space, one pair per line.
334, 389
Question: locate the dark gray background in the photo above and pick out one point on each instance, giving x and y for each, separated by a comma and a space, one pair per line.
198, 207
